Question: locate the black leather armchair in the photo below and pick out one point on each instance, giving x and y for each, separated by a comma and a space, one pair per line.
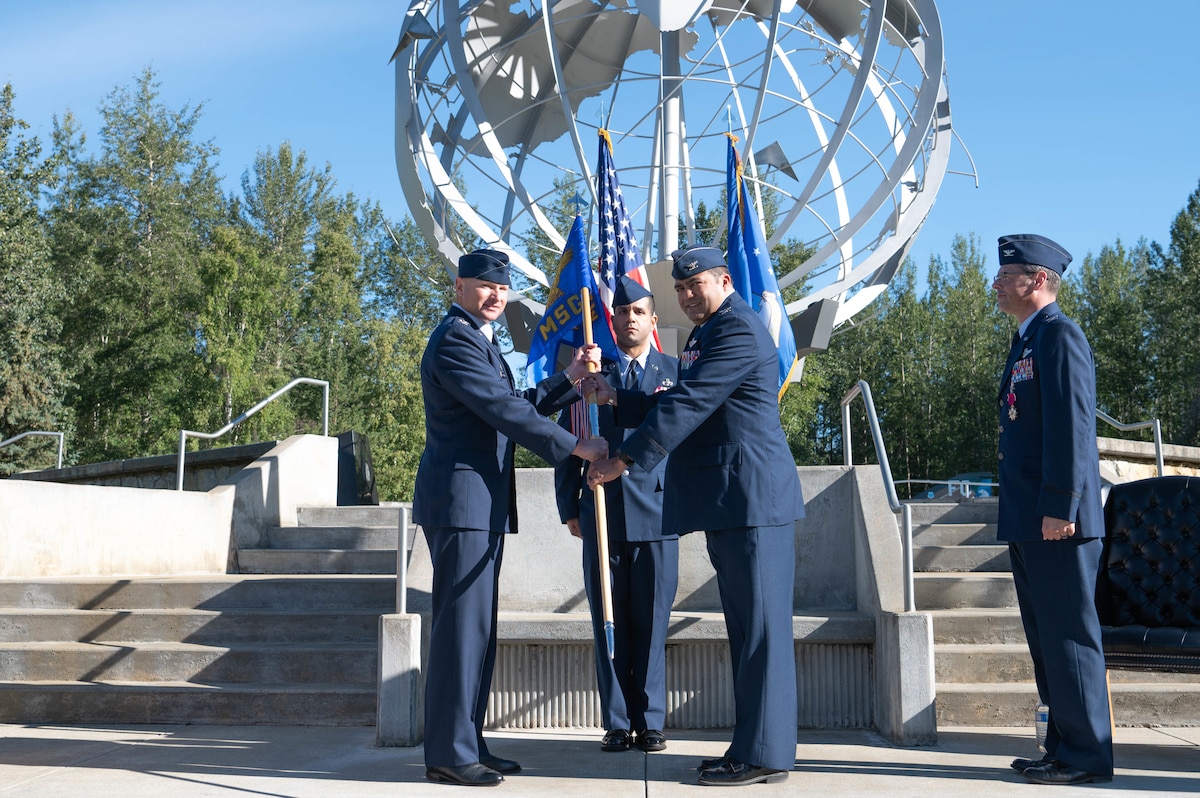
1148, 590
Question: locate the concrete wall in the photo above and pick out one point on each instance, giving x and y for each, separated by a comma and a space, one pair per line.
543, 564
49, 529
1125, 461
203, 470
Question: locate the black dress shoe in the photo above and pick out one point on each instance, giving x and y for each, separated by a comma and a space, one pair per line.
616, 740
472, 775
1021, 765
732, 773
1057, 772
709, 764
651, 740
500, 765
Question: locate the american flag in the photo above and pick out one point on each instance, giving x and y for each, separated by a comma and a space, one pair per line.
619, 252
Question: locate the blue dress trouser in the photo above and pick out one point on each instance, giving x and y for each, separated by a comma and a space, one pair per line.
462, 642
633, 684
756, 574
1056, 588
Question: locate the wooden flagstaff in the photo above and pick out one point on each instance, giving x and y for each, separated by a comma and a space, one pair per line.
598, 493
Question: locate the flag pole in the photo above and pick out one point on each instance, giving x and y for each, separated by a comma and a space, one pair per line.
601, 510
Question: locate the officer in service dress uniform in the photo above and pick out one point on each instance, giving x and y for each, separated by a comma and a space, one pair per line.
732, 475
643, 559
465, 501
1050, 509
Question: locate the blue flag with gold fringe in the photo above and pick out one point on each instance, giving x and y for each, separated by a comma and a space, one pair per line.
562, 323
751, 269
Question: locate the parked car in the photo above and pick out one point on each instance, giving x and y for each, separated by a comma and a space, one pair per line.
973, 484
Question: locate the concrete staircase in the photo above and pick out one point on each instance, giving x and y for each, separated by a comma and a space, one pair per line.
982, 666
290, 640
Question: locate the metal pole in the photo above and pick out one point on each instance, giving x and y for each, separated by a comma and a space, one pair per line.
1158, 453
179, 469
402, 564
910, 588
668, 232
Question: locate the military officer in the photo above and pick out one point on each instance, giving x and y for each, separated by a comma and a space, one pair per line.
731, 474
643, 559
1050, 509
465, 501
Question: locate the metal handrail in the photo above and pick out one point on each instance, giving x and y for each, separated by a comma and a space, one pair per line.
1152, 423
58, 435
184, 433
402, 562
863, 389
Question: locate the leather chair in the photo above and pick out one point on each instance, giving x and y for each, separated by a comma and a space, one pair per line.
1148, 590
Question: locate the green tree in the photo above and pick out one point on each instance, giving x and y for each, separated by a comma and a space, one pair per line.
1172, 298
32, 379
129, 226
1108, 299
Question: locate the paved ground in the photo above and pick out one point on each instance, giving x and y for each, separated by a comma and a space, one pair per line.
185, 761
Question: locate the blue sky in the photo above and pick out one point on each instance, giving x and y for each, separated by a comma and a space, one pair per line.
1081, 117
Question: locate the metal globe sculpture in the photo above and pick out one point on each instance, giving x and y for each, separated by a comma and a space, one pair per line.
840, 107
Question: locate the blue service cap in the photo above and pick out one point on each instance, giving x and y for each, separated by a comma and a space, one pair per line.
485, 264
628, 291
695, 260
1034, 250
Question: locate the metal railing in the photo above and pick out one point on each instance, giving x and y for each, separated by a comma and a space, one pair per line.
58, 435
1151, 424
402, 561
185, 433
861, 388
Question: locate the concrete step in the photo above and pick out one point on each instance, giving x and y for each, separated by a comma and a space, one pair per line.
977, 625
968, 663
187, 662
334, 537
186, 703
1010, 662
212, 592
971, 511
191, 626
953, 591
1012, 704
317, 561
933, 559
383, 515
954, 535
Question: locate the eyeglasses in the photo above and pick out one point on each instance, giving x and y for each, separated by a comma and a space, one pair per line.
1004, 277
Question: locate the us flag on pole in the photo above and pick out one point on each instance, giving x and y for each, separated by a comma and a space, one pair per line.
619, 252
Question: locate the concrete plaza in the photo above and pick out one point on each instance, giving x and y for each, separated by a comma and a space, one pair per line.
181, 761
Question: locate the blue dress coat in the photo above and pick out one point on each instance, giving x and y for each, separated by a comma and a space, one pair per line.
1049, 464
730, 463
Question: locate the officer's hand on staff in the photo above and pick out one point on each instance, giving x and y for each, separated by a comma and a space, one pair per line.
604, 471
573, 528
1057, 528
578, 369
597, 390
591, 449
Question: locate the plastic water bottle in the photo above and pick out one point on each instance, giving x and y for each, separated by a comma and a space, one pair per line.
1041, 719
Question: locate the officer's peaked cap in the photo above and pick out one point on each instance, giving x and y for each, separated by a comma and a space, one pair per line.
1034, 250
485, 264
628, 291
689, 262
